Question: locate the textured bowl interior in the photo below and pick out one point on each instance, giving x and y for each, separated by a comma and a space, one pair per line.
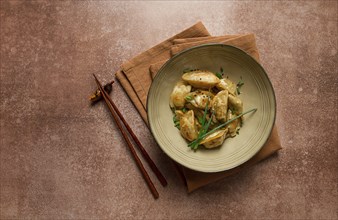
257, 92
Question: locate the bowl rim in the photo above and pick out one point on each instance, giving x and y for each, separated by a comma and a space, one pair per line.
217, 45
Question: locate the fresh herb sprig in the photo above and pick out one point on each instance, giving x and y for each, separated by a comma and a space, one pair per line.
239, 86
220, 74
201, 134
194, 144
176, 122
188, 98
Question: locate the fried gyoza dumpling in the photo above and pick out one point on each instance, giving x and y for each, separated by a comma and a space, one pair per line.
200, 98
177, 97
236, 104
215, 139
201, 79
220, 105
226, 84
233, 126
188, 126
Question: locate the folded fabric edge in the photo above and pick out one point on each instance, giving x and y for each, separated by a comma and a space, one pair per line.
132, 95
154, 68
201, 39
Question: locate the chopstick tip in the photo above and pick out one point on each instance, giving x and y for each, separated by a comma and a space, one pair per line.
97, 81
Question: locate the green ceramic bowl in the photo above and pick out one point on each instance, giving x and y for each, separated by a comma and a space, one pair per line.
257, 92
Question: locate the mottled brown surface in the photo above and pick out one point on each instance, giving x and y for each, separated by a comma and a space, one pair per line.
61, 158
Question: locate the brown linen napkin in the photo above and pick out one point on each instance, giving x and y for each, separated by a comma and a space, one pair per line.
135, 78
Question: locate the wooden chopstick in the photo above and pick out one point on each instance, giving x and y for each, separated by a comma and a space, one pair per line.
131, 148
146, 156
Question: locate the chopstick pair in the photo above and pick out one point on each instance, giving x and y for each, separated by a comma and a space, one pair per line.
114, 110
